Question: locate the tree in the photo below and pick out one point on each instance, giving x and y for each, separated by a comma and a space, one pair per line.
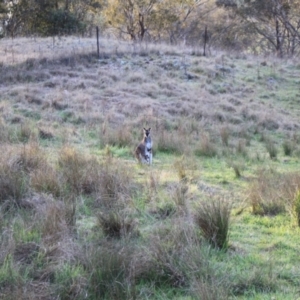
156, 18
48, 17
277, 22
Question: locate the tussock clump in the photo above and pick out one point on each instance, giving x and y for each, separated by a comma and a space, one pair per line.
203, 289
272, 193
206, 147
224, 133
27, 158
115, 184
4, 132
47, 179
271, 148
288, 147
13, 180
53, 223
114, 200
180, 167
116, 223
120, 136
109, 266
25, 132
45, 134
69, 282
241, 147
256, 280
213, 219
171, 142
166, 259
296, 207
25, 253
79, 171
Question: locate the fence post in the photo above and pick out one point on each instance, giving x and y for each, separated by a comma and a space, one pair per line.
97, 33
205, 39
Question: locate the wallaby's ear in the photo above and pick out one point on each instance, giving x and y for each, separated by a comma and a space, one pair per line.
145, 129
149, 129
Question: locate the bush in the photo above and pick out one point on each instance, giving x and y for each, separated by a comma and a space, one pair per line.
212, 217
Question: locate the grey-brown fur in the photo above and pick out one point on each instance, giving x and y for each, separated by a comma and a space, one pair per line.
143, 151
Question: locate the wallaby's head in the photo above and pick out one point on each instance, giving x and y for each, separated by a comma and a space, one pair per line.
146, 132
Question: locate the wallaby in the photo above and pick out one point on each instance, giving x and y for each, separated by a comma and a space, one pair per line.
143, 151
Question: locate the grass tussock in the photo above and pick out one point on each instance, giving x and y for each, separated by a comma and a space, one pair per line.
263, 196
206, 147
116, 223
213, 219
271, 148
272, 193
14, 167
165, 260
80, 172
116, 183
47, 179
120, 136
296, 207
288, 147
70, 282
170, 142
110, 268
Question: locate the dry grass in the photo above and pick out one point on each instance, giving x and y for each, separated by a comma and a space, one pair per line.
272, 193
47, 180
61, 81
213, 219
80, 172
206, 147
88, 229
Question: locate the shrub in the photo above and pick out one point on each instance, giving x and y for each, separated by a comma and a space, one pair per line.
212, 217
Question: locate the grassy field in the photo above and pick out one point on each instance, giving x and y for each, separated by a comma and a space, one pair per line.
216, 216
